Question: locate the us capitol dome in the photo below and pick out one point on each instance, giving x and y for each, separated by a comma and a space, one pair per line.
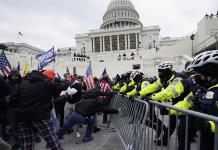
120, 13
121, 30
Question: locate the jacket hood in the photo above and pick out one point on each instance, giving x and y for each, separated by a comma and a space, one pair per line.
16, 73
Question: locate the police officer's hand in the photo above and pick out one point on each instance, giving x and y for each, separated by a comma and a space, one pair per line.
164, 111
201, 124
131, 98
146, 98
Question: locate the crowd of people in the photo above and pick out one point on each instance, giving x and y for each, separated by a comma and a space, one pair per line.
42, 106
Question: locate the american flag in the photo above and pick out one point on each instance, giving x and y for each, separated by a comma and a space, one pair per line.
105, 87
4, 64
89, 81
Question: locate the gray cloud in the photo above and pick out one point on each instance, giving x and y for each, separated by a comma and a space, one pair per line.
45, 23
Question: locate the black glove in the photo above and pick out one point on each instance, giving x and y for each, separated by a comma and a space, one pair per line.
164, 111
131, 98
202, 124
146, 98
198, 91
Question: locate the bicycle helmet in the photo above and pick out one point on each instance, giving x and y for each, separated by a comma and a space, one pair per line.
166, 65
136, 75
205, 63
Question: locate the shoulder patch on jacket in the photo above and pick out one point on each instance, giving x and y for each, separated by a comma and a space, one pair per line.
209, 95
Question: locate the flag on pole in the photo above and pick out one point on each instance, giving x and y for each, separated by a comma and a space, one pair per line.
46, 58
89, 81
20, 33
67, 71
18, 67
26, 70
103, 73
4, 64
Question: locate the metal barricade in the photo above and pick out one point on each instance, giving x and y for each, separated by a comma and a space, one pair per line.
140, 126
185, 124
130, 122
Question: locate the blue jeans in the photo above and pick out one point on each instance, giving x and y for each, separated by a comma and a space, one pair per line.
73, 119
54, 119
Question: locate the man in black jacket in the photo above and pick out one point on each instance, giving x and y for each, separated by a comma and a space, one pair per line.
86, 108
33, 100
14, 80
4, 91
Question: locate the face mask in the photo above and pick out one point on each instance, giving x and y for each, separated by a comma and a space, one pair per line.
205, 83
165, 74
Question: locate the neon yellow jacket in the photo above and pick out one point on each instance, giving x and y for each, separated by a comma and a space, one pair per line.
187, 103
150, 88
175, 89
124, 88
184, 104
116, 87
134, 91
154, 87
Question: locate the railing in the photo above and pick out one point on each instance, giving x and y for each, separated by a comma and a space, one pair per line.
130, 121
206, 43
138, 121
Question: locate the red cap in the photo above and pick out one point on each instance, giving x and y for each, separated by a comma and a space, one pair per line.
49, 73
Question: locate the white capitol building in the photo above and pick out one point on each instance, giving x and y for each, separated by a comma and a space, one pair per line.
121, 44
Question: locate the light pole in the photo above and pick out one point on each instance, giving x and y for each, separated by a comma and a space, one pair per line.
192, 37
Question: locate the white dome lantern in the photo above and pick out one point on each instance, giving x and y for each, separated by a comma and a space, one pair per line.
120, 13
116, 3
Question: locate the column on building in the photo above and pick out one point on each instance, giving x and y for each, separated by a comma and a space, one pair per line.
103, 49
136, 40
110, 43
125, 41
100, 44
118, 42
140, 40
128, 35
93, 44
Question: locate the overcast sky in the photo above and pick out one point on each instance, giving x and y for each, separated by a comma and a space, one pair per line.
45, 23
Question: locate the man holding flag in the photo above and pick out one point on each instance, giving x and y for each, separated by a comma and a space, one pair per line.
105, 87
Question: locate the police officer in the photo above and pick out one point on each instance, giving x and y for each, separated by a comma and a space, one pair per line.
139, 82
166, 77
203, 98
129, 84
176, 92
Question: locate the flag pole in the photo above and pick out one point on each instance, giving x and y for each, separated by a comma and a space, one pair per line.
18, 38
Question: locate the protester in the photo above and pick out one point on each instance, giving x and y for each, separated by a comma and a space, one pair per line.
33, 100
14, 80
84, 111
4, 91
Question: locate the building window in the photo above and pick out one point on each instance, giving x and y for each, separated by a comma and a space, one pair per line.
136, 66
